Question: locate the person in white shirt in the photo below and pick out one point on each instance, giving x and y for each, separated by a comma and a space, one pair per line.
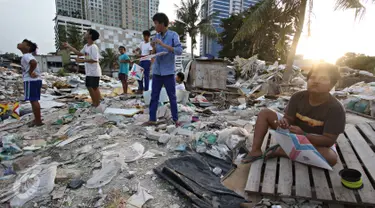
180, 81
31, 79
92, 66
145, 49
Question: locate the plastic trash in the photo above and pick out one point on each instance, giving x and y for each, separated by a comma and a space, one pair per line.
139, 199
10, 149
37, 181
104, 175
134, 152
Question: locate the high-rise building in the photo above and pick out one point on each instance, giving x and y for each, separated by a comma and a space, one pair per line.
71, 8
223, 9
127, 14
106, 12
153, 9
136, 14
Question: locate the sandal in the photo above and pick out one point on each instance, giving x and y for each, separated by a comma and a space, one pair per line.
270, 151
251, 159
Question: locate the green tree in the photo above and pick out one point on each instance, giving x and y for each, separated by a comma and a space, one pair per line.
297, 9
357, 61
75, 37
62, 36
270, 41
109, 58
188, 16
179, 28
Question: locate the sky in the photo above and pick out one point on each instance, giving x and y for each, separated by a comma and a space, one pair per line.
333, 32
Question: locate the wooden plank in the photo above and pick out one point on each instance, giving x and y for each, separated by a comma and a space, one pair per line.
253, 180
364, 151
269, 179
367, 193
368, 131
372, 125
321, 184
341, 193
335, 206
284, 187
303, 188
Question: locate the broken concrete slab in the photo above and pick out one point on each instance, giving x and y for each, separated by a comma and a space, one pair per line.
64, 174
153, 135
164, 138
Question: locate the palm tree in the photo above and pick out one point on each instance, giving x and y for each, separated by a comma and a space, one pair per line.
109, 58
188, 17
297, 7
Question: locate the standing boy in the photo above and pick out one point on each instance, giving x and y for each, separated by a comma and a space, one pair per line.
92, 67
164, 66
146, 49
124, 62
31, 79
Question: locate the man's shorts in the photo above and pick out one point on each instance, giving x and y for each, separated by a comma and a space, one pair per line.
92, 82
281, 116
122, 77
32, 90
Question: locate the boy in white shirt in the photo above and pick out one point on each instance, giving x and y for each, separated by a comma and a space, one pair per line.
145, 49
92, 67
31, 79
180, 81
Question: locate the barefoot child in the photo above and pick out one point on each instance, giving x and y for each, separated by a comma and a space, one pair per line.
31, 79
92, 67
124, 62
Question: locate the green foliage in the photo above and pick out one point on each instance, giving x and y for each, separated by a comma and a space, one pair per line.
179, 28
188, 18
70, 34
109, 58
270, 40
62, 73
357, 61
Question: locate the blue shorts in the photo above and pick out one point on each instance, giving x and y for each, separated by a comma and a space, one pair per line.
32, 90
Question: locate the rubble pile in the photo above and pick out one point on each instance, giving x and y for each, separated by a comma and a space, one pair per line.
258, 79
11, 85
83, 159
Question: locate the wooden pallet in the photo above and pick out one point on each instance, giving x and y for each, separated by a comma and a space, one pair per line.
281, 177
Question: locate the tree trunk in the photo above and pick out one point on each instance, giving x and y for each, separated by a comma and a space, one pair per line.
292, 52
192, 50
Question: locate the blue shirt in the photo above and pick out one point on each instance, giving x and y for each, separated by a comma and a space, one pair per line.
124, 67
165, 65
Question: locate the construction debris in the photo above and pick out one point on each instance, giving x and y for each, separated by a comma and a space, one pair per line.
79, 154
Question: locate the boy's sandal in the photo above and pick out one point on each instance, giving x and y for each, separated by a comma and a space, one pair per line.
271, 150
250, 159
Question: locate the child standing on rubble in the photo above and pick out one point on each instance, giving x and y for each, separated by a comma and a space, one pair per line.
92, 67
124, 62
31, 79
164, 67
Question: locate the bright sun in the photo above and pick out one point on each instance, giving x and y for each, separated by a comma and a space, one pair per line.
319, 49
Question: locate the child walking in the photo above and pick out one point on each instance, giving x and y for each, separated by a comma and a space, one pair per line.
31, 79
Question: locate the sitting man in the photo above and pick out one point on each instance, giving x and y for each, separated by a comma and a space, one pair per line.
314, 113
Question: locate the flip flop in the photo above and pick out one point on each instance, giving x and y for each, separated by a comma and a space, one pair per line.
270, 150
250, 159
